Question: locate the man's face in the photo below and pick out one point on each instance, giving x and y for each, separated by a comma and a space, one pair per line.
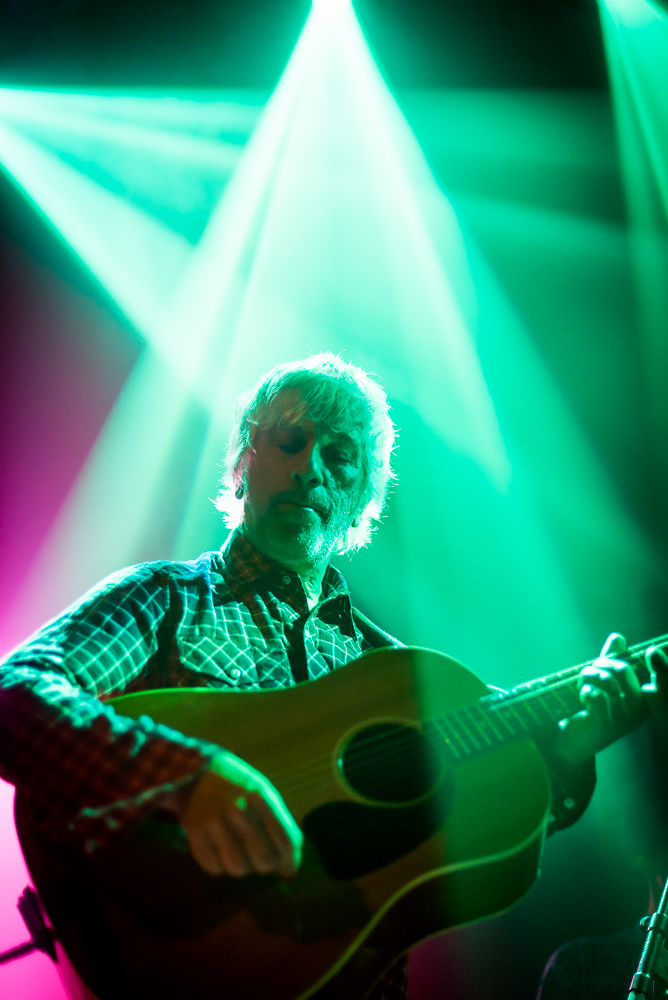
304, 486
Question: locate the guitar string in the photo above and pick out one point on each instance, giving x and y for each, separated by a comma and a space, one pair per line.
318, 767
304, 776
524, 695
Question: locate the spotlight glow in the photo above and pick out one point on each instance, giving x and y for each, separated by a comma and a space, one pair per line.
331, 5
135, 258
331, 233
636, 40
633, 13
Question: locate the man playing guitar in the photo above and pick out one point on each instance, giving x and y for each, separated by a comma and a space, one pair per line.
307, 473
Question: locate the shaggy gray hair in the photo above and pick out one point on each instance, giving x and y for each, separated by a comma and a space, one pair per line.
331, 391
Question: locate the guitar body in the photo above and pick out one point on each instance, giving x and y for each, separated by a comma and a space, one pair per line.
399, 845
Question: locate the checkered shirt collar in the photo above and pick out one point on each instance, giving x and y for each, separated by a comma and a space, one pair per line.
245, 566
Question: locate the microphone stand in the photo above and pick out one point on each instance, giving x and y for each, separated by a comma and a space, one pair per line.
651, 979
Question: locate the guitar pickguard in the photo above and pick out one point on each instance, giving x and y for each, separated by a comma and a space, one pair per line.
353, 838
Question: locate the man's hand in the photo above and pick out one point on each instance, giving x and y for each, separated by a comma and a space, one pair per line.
237, 823
614, 702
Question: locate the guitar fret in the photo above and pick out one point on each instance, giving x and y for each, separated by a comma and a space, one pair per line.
515, 714
459, 734
568, 704
541, 709
469, 734
531, 713
449, 737
460, 737
480, 721
502, 717
560, 702
489, 719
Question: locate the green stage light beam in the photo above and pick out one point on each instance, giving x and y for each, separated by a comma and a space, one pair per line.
174, 175
333, 186
332, 233
346, 242
135, 258
200, 114
107, 516
115, 512
119, 490
636, 39
68, 130
55, 152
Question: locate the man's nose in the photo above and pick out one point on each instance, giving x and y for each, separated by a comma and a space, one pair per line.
308, 470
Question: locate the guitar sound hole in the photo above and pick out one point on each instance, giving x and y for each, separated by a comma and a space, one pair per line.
388, 762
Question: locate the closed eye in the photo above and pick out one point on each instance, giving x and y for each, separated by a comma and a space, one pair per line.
292, 444
340, 457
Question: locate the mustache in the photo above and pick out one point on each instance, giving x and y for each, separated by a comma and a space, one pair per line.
302, 500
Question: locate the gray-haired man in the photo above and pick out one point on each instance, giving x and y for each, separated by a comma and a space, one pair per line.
308, 469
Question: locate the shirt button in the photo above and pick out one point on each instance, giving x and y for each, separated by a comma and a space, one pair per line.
287, 579
569, 803
235, 672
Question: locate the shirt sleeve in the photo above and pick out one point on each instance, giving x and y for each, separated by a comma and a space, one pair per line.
85, 770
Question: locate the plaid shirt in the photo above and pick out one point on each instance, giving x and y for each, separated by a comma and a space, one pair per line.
233, 619
230, 619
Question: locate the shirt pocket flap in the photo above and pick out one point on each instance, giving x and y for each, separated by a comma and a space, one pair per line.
211, 651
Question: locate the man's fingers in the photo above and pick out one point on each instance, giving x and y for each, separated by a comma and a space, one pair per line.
614, 645
656, 692
239, 845
204, 853
264, 855
283, 822
610, 679
613, 700
657, 664
627, 702
287, 841
234, 769
218, 851
237, 823
598, 704
611, 694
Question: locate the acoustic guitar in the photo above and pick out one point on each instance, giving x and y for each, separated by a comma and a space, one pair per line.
423, 801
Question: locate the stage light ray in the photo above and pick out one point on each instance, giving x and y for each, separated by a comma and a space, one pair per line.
332, 233
135, 258
93, 134
201, 114
138, 260
632, 13
107, 517
349, 195
636, 40
333, 183
53, 141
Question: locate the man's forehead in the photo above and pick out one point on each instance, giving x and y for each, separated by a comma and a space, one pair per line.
289, 410
307, 427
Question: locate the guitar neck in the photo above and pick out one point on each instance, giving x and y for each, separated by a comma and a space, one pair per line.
525, 709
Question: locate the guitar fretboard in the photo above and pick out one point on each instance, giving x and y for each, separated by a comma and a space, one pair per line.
525, 710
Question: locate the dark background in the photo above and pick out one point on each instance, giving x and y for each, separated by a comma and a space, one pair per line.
246, 43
